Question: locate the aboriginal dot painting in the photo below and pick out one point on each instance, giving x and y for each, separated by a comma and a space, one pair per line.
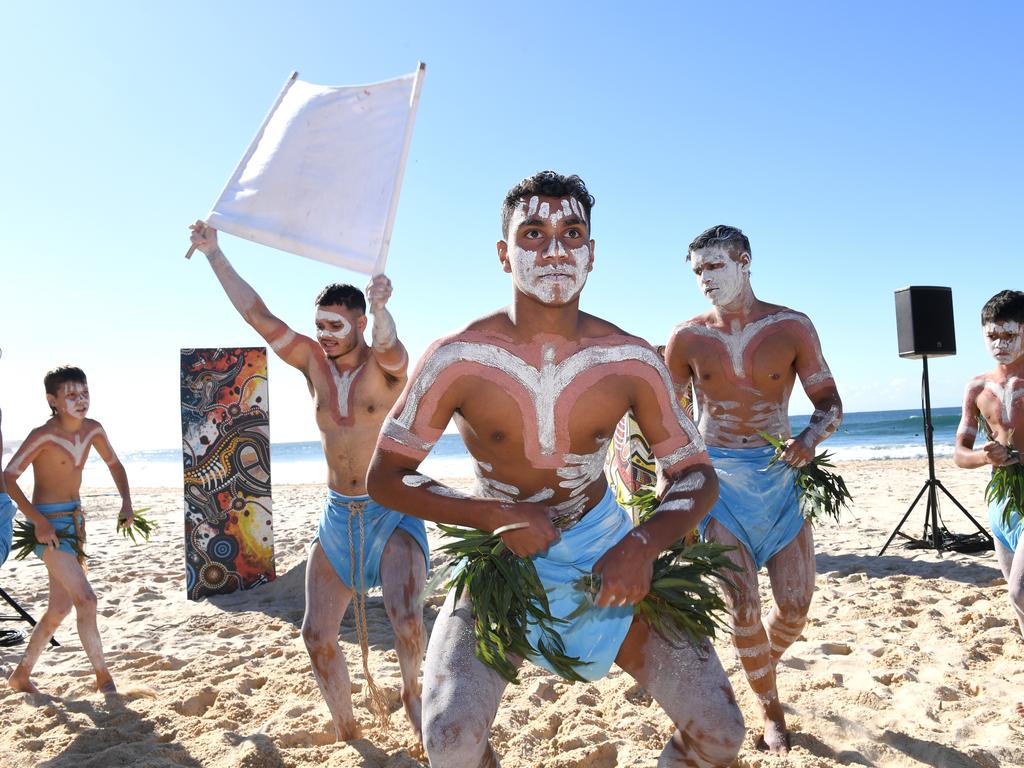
225, 441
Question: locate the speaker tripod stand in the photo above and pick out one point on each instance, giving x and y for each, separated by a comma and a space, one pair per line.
936, 538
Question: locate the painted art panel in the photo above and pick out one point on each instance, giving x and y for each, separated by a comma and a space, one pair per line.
225, 435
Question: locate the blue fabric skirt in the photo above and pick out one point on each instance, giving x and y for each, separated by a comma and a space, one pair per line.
65, 517
597, 633
7, 511
378, 524
1008, 535
757, 503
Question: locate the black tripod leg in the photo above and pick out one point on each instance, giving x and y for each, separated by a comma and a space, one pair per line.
23, 613
969, 516
905, 516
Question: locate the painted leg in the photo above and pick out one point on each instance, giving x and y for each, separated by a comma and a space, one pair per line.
791, 573
751, 640
403, 573
58, 606
1012, 566
327, 597
690, 685
66, 569
460, 694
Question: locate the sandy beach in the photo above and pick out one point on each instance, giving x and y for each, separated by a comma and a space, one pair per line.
908, 659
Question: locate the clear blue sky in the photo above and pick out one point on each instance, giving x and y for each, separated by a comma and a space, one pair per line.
861, 146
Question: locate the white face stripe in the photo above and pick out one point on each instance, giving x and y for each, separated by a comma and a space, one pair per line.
548, 282
545, 385
1004, 350
332, 317
738, 339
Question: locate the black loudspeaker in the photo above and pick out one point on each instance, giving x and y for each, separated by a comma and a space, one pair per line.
924, 321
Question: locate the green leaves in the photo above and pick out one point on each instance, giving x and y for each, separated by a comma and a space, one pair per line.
23, 542
141, 526
507, 596
683, 604
1007, 483
821, 492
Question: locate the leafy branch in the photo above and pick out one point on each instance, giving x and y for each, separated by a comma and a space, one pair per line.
1007, 482
23, 541
141, 526
821, 491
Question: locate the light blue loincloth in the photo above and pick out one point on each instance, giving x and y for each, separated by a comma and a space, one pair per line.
1008, 535
72, 523
378, 525
596, 635
7, 510
757, 503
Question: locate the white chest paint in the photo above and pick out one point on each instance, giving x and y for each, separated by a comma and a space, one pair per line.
343, 381
1008, 395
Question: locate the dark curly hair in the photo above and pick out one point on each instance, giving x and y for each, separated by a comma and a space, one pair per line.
723, 235
547, 184
342, 294
1005, 305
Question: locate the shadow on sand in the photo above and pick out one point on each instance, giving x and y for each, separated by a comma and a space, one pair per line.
118, 736
978, 571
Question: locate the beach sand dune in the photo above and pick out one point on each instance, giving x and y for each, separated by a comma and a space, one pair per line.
908, 659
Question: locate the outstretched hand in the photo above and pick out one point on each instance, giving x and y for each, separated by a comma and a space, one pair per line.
378, 291
204, 237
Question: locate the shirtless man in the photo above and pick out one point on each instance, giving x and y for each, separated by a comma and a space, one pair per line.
353, 386
57, 452
742, 358
998, 396
536, 390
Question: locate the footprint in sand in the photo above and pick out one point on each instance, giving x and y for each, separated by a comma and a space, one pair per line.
197, 705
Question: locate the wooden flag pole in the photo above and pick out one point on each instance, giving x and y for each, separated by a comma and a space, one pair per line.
252, 146
414, 100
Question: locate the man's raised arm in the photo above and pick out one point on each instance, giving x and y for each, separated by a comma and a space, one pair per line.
387, 349
282, 339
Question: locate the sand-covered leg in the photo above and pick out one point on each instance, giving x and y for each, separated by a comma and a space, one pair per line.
751, 640
403, 573
460, 694
1012, 566
58, 606
65, 568
327, 597
791, 573
690, 685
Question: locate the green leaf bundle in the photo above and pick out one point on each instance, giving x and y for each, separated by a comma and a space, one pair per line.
23, 541
1007, 482
141, 527
821, 492
683, 603
507, 596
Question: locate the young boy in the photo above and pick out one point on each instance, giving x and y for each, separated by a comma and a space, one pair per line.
57, 452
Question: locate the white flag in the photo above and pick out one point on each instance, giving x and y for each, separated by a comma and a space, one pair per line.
321, 179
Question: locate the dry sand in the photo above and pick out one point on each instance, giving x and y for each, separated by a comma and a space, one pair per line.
908, 659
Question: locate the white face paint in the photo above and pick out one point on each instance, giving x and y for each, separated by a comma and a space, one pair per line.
73, 399
331, 327
554, 275
1005, 341
720, 277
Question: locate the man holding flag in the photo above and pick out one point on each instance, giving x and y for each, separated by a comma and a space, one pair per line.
359, 544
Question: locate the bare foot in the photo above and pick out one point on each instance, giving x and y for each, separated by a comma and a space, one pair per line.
775, 738
1019, 709
105, 683
19, 681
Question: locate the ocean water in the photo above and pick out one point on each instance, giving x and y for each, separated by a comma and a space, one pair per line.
863, 436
